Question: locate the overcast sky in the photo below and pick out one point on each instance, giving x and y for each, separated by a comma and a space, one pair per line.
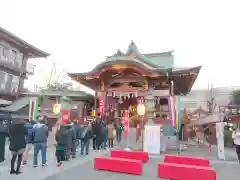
79, 34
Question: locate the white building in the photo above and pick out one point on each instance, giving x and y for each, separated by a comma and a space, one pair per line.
199, 97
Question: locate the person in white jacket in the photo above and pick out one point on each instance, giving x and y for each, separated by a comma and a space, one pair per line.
236, 140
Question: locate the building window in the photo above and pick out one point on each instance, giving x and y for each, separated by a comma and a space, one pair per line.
161, 107
1, 52
9, 82
5, 80
2, 80
19, 59
13, 57
10, 55
14, 84
6, 54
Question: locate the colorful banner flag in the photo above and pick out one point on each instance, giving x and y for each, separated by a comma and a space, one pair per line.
175, 112
179, 115
172, 111
34, 108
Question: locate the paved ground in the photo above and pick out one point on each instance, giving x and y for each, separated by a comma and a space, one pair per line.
82, 166
42, 173
228, 169
86, 171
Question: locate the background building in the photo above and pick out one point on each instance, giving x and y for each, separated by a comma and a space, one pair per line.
14, 69
199, 97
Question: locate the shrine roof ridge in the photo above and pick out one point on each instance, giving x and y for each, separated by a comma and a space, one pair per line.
18, 41
166, 53
174, 70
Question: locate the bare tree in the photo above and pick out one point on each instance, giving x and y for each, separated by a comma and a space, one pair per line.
56, 80
211, 99
235, 99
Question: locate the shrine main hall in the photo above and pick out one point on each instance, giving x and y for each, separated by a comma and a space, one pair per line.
124, 80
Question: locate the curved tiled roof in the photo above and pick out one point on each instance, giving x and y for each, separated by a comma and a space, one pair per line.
19, 42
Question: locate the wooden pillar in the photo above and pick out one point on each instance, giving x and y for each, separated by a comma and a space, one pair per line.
85, 109
95, 103
116, 107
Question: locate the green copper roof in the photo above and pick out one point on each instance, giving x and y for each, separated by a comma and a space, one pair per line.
17, 105
163, 60
155, 62
127, 58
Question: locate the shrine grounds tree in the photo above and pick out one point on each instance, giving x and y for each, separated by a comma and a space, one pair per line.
55, 80
235, 97
211, 106
211, 99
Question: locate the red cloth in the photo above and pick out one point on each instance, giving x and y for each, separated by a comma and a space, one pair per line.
129, 166
65, 116
188, 160
185, 172
138, 155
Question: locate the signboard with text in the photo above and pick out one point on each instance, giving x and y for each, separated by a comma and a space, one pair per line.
151, 142
101, 106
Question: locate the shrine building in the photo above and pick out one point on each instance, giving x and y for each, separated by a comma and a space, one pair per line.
124, 80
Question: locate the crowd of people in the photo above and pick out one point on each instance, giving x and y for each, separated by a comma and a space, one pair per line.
33, 135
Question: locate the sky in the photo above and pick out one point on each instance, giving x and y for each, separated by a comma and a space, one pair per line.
80, 34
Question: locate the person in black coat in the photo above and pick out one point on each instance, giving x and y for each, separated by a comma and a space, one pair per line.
97, 129
5, 121
77, 128
69, 143
17, 134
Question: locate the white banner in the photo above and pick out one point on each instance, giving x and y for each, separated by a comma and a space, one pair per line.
220, 140
151, 141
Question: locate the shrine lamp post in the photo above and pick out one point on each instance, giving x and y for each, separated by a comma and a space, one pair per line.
141, 112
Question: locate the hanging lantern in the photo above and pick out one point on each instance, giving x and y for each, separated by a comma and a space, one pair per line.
102, 85
56, 108
145, 84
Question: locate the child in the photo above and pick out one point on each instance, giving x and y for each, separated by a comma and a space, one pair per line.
61, 139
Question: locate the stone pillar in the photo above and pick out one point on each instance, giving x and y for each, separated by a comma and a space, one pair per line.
94, 112
81, 107
65, 105
116, 107
150, 106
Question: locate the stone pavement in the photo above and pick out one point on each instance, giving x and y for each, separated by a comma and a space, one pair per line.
82, 166
42, 173
84, 172
228, 169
